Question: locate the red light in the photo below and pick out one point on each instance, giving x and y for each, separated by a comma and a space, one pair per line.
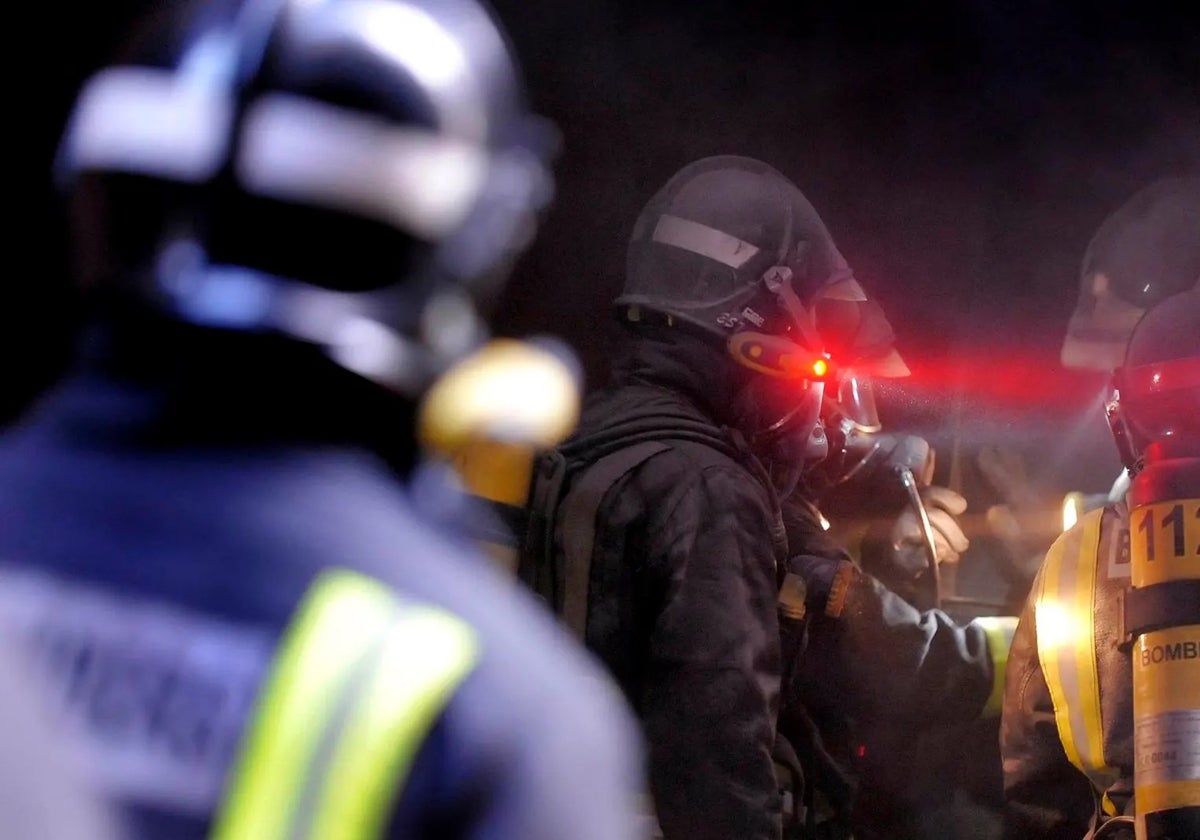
820, 367
861, 752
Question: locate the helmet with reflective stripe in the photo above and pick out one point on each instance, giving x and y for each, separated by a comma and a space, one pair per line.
355, 174
1145, 251
732, 247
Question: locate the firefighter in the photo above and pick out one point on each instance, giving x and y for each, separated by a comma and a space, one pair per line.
42, 792
670, 554
293, 214
1145, 251
1073, 758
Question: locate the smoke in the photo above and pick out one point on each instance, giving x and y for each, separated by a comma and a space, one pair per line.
962, 154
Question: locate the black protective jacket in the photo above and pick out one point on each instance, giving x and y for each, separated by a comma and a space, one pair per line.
682, 594
682, 605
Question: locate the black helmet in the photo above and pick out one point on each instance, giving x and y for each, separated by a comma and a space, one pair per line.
1156, 392
731, 247
355, 174
1147, 250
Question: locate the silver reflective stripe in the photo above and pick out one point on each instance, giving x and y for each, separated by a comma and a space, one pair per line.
417, 180
150, 122
703, 240
153, 122
1065, 620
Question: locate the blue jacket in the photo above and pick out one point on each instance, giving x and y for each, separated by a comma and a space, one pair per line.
152, 554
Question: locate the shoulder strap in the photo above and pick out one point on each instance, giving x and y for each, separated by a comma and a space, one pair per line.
561, 578
725, 440
359, 679
578, 525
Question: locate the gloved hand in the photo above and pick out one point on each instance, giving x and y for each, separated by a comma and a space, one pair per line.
821, 582
942, 504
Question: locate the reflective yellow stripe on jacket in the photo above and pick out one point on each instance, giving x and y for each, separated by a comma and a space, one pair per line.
1064, 612
358, 681
1000, 630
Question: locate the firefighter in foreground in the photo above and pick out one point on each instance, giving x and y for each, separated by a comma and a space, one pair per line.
1101, 722
293, 211
663, 540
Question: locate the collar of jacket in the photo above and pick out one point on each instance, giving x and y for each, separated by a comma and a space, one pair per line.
166, 385
691, 377
695, 367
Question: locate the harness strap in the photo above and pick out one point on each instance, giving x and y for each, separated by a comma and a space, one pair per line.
578, 526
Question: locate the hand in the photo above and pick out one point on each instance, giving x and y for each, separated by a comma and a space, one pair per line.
942, 504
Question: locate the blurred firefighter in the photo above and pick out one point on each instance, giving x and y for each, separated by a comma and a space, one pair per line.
657, 531
295, 210
1144, 251
1068, 739
42, 790
1081, 672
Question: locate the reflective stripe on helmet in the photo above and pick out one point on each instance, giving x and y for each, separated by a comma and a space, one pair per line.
149, 122
358, 681
1065, 620
154, 122
415, 179
703, 240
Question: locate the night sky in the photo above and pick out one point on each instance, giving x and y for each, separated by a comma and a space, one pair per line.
961, 153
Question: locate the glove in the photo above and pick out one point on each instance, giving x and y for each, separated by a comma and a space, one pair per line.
942, 504
821, 582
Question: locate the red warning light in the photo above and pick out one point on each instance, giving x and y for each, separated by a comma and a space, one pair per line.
820, 367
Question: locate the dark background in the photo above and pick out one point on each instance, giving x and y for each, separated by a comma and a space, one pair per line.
962, 154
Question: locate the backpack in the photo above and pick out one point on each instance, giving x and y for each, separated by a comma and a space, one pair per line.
555, 531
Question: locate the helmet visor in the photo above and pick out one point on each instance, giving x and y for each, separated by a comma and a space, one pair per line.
858, 336
856, 402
